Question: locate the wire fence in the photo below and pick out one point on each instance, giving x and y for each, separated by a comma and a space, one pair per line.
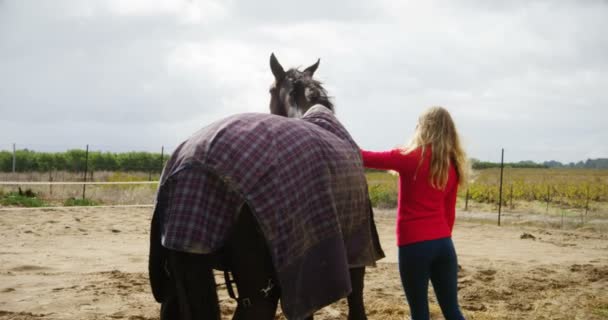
79, 176
12, 209
81, 160
39, 183
83, 175
565, 193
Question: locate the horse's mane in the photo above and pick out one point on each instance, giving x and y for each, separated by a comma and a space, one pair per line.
317, 93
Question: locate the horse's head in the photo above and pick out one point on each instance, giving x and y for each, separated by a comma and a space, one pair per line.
294, 92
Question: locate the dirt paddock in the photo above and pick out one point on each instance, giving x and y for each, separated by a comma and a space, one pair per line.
91, 263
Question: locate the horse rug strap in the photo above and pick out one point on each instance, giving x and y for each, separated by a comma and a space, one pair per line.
264, 293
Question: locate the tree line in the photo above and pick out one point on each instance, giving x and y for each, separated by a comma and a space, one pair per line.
76, 160
601, 163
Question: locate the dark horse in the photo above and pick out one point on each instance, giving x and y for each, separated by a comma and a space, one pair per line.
280, 203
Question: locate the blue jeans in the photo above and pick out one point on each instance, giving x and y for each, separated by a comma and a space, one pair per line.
435, 260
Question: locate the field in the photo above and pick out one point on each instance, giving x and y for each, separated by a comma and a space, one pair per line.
576, 197
90, 263
544, 262
56, 195
550, 191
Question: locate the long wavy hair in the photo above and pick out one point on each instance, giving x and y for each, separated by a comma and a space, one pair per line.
436, 130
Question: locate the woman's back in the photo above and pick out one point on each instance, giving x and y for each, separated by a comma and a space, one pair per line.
423, 212
430, 170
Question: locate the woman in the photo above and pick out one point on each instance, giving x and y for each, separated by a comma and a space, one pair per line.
430, 170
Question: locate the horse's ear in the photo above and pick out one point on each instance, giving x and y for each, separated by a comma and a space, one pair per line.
277, 69
311, 70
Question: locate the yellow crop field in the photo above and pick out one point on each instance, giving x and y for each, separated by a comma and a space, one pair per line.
566, 188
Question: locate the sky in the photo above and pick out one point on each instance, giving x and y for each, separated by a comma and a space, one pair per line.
123, 75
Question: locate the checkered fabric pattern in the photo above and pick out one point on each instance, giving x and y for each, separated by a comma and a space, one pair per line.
303, 179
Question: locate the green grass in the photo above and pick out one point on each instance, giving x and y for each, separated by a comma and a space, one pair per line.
16, 199
382, 189
602, 310
73, 202
129, 177
382, 197
126, 176
565, 195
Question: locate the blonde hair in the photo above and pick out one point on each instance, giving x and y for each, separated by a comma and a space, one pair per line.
436, 129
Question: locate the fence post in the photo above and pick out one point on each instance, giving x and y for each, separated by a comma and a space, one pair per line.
466, 201
162, 154
587, 202
51, 183
511, 197
548, 197
14, 156
502, 162
86, 168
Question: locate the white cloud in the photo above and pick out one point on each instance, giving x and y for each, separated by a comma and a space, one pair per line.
189, 12
524, 75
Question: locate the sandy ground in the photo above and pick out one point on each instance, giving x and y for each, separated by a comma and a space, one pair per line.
91, 263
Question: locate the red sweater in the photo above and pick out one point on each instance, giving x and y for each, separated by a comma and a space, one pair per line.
423, 212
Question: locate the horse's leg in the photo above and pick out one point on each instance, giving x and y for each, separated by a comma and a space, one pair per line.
195, 295
251, 266
356, 308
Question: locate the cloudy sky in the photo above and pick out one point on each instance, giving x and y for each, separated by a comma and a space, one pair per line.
119, 75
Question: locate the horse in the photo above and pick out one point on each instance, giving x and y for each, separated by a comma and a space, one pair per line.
278, 201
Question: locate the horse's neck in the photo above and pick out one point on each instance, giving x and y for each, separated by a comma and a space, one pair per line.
295, 113
317, 108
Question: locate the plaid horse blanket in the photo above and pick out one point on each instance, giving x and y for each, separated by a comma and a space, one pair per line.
304, 182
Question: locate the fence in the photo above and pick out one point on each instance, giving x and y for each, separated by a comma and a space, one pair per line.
563, 191
79, 176
80, 160
133, 181
576, 194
